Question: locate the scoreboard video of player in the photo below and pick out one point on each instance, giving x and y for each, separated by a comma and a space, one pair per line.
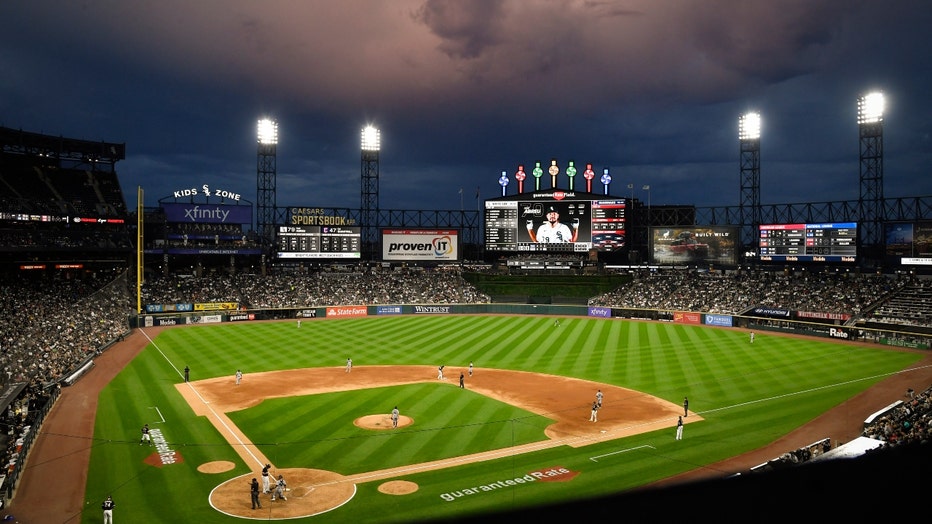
318, 242
555, 221
826, 242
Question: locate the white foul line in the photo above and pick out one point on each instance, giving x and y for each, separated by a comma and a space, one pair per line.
597, 457
156, 408
206, 403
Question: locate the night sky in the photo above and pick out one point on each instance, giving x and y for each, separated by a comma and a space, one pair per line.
463, 90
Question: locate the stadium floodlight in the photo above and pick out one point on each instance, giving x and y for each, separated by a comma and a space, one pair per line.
268, 131
749, 126
870, 108
371, 139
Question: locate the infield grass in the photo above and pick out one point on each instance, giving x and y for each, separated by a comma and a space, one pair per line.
748, 394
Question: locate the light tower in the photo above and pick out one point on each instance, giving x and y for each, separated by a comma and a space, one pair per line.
266, 169
870, 201
369, 191
749, 208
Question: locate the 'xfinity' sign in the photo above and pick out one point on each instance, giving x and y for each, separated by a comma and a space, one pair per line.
207, 213
605, 312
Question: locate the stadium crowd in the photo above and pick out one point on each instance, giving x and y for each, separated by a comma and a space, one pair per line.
907, 423
365, 285
58, 324
735, 293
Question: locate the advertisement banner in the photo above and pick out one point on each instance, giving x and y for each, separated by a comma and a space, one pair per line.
168, 308
719, 320
604, 312
388, 310
207, 213
820, 315
420, 244
433, 310
770, 312
347, 311
686, 317
216, 306
242, 316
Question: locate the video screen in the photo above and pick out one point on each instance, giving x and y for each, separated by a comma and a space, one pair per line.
825, 242
909, 243
557, 221
675, 245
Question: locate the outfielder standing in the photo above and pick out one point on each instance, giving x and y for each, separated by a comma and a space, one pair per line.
107, 506
145, 435
395, 417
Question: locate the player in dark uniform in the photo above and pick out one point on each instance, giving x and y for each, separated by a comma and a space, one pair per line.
254, 493
145, 435
107, 506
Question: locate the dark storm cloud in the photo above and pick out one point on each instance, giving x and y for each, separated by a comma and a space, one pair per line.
465, 89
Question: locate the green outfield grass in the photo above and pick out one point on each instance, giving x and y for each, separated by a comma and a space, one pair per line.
748, 394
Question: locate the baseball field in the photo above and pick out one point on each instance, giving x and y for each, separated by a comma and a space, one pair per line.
518, 434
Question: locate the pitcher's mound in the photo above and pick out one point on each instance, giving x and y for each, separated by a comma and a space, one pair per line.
381, 421
217, 466
398, 487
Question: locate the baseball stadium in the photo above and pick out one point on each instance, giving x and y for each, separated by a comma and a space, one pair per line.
645, 362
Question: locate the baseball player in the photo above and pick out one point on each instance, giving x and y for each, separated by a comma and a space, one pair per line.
679, 429
594, 416
440, 373
470, 368
462, 381
395, 417
107, 506
265, 478
145, 435
598, 397
280, 487
685, 407
239, 377
349, 365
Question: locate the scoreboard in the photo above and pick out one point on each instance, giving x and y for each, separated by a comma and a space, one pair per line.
582, 223
318, 242
827, 242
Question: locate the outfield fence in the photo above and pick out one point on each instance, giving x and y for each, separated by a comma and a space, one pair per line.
771, 319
